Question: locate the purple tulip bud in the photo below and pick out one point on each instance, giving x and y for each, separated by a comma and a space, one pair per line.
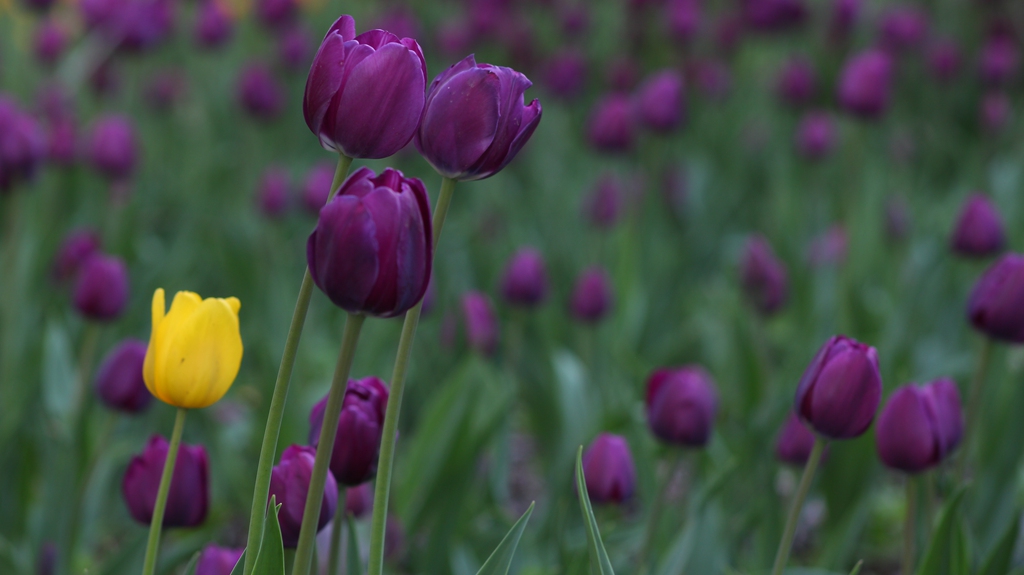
603, 208
273, 193
839, 393
865, 84
119, 380
357, 443
382, 226
22, 145
293, 47
681, 405
796, 82
364, 94
728, 31
795, 442
978, 232
608, 469
996, 112
592, 296
50, 41
359, 500
474, 122
897, 219
815, 135
712, 79
189, 496
774, 15
316, 188
289, 481
919, 426
623, 73
76, 247
565, 74
844, 17
525, 282
996, 305
944, 60
660, 101
134, 25
829, 248
215, 560
454, 37
260, 93
101, 290
214, 25
482, 330
575, 19
999, 60
612, 127
276, 15
47, 562
684, 19
903, 28
764, 276
112, 147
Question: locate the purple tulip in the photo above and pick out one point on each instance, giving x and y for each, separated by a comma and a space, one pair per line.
316, 188
357, 442
215, 560
359, 500
795, 442
112, 147
608, 469
996, 305
525, 282
763, 276
293, 47
101, 290
796, 82
134, 25
612, 126
920, 426
829, 248
978, 232
575, 19
839, 393
474, 122
275, 15
482, 330
684, 19
815, 135
681, 405
49, 42
944, 60
845, 14
999, 60
592, 296
660, 101
260, 93
996, 112
897, 219
189, 495
22, 145
454, 37
364, 94
603, 208
381, 225
903, 28
76, 247
865, 84
565, 74
774, 15
214, 25
289, 482
119, 382
273, 193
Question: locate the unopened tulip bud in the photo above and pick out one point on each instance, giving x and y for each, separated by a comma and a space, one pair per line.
919, 426
357, 443
979, 229
22, 145
999, 60
260, 93
525, 280
996, 112
101, 290
75, 249
276, 15
816, 135
608, 469
865, 84
359, 500
796, 82
119, 381
215, 560
49, 42
660, 101
944, 60
273, 193
112, 147
565, 74
316, 188
482, 330
294, 47
189, 495
604, 206
592, 296
684, 19
794, 442
829, 248
903, 28
764, 276
612, 126
996, 305
289, 482
681, 405
839, 393
214, 25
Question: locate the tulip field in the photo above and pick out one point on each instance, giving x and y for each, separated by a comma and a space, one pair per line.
528, 287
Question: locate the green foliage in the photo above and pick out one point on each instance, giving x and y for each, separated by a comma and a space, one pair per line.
999, 560
947, 552
270, 558
501, 559
599, 562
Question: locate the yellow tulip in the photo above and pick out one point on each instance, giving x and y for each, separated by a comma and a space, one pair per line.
194, 351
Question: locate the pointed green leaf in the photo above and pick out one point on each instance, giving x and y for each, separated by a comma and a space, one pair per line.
354, 566
190, 568
999, 559
240, 565
946, 553
500, 560
270, 559
856, 568
599, 562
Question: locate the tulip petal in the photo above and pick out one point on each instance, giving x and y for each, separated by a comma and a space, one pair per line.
462, 121
148, 365
344, 253
323, 82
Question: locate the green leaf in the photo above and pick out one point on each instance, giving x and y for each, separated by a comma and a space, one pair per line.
240, 566
856, 568
190, 568
60, 395
599, 562
354, 566
270, 559
1000, 557
947, 552
500, 560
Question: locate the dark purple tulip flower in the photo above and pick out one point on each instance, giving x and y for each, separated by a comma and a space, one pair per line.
214, 25
919, 426
659, 102
592, 296
795, 442
681, 405
604, 206
840, 391
773, 15
897, 219
276, 15
216, 560
903, 28
273, 193
49, 42
612, 127
764, 276
996, 112
565, 74
815, 135
112, 147
978, 231
999, 60
359, 499
829, 248
482, 330
135, 25
996, 305
76, 247
22, 145
475, 122
684, 19
189, 496
317, 187
101, 290
944, 60
575, 19
372, 249
119, 380
845, 14
865, 84
364, 94
260, 93
294, 47
796, 82
608, 469
289, 481
525, 282
357, 443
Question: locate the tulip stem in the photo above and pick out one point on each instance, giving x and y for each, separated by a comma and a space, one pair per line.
782, 556
328, 433
382, 488
268, 452
973, 405
909, 527
336, 529
157, 523
657, 506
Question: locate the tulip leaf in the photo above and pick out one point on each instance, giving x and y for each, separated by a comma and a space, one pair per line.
239, 565
60, 390
999, 560
190, 568
599, 562
856, 568
270, 559
947, 552
500, 560
352, 553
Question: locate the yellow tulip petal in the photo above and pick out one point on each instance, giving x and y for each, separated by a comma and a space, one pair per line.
158, 308
184, 305
234, 304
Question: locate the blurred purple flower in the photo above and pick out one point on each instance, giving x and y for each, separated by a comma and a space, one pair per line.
22, 145
189, 495
845, 14
50, 41
214, 25
920, 426
119, 383
135, 25
684, 19
944, 60
774, 15
794, 442
764, 276
215, 560
681, 405
260, 93
276, 15
165, 88
592, 296
294, 46
995, 112
565, 74
978, 231
660, 101
996, 305
482, 329
454, 37
289, 483
865, 84
112, 146
622, 74
612, 127
608, 469
604, 205
274, 192
903, 28
829, 248
400, 21
999, 60
524, 282
76, 247
713, 79
316, 188
796, 82
816, 135
101, 288
575, 19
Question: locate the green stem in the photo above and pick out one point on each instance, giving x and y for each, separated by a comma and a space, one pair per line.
272, 432
656, 510
328, 433
973, 405
156, 525
782, 556
386, 461
909, 528
333, 560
